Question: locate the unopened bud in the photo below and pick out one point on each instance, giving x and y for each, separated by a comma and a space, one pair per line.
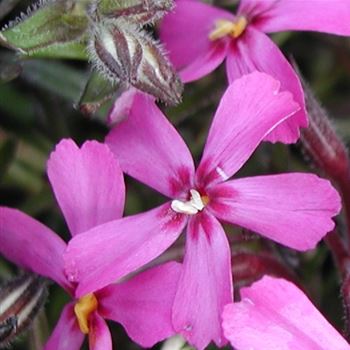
124, 53
137, 11
20, 301
7, 327
321, 141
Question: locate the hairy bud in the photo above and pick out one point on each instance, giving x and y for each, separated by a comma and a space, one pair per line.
321, 141
137, 11
124, 53
20, 301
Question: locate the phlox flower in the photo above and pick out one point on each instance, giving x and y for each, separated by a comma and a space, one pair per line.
274, 314
89, 187
292, 209
199, 37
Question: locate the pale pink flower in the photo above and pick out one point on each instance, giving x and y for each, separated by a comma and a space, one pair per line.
292, 209
199, 37
274, 314
89, 187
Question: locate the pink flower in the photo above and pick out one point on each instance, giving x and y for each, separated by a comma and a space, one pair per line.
89, 187
276, 315
199, 37
292, 209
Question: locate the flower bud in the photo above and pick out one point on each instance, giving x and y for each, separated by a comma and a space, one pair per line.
137, 11
20, 301
321, 141
124, 53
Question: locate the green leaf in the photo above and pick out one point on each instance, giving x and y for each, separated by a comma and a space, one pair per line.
9, 71
97, 91
56, 77
55, 29
7, 154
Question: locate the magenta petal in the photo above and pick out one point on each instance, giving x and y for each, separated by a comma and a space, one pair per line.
88, 184
122, 106
66, 335
316, 15
292, 209
185, 33
250, 108
143, 304
205, 284
255, 51
30, 244
111, 251
99, 335
275, 315
205, 63
150, 149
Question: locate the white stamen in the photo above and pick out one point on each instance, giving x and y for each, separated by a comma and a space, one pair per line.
191, 207
196, 200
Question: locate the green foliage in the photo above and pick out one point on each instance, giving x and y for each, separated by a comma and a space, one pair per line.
55, 29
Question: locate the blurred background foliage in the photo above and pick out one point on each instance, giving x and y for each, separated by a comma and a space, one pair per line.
38, 99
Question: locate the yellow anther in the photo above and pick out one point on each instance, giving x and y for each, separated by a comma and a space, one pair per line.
224, 27
205, 200
83, 308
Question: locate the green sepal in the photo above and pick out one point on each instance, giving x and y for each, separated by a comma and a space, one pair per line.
53, 29
97, 91
140, 12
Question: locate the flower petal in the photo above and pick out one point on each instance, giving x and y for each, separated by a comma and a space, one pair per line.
205, 63
88, 184
205, 284
110, 251
275, 315
250, 108
30, 244
185, 33
291, 209
122, 106
66, 335
99, 334
147, 296
254, 51
317, 15
149, 149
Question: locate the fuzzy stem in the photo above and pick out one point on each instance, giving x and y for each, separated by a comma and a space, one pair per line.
339, 252
345, 289
342, 260
343, 183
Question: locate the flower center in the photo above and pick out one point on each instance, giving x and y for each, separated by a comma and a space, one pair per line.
191, 207
224, 27
83, 309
